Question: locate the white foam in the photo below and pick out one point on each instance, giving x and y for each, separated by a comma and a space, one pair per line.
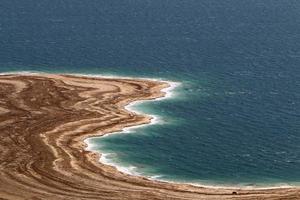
131, 170
21, 73
169, 91
240, 186
90, 146
156, 177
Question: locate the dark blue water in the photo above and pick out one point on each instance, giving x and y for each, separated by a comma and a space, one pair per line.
235, 118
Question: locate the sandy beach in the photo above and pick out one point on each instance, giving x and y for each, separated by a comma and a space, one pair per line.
44, 120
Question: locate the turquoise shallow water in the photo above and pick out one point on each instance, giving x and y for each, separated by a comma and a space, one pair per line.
234, 119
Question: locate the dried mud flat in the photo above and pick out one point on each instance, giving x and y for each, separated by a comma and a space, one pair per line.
44, 119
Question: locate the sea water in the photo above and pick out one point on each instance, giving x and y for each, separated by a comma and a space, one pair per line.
235, 117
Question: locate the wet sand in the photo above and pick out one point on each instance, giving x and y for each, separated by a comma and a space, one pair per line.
45, 118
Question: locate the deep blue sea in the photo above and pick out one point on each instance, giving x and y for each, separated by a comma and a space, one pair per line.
235, 118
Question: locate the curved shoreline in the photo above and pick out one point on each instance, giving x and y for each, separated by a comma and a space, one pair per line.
167, 94
154, 120
52, 116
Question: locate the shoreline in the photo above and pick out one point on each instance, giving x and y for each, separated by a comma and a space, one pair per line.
168, 93
130, 170
67, 150
154, 119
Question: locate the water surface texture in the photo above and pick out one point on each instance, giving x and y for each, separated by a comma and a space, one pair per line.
236, 117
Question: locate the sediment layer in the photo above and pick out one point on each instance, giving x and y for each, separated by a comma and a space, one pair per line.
44, 119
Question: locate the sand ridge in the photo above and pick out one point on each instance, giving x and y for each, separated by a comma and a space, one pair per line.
44, 119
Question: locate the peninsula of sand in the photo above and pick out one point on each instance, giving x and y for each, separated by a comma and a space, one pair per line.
44, 120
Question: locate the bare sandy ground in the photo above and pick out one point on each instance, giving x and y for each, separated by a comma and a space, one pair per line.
44, 119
